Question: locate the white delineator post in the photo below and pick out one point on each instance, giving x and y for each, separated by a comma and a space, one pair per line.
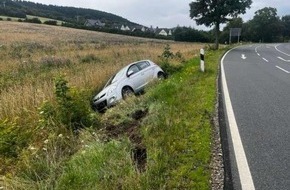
202, 60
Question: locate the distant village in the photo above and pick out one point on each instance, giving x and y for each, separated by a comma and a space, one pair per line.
137, 28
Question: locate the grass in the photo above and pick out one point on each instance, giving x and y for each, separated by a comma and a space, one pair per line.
106, 166
50, 136
177, 132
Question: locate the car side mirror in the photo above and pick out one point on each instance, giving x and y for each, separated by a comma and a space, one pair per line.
130, 73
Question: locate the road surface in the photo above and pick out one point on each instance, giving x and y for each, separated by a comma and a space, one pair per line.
256, 99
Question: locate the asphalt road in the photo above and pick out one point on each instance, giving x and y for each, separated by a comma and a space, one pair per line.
258, 80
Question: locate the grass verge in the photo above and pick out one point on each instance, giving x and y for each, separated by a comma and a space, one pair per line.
177, 133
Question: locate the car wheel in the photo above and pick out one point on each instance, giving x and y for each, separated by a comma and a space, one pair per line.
127, 92
161, 76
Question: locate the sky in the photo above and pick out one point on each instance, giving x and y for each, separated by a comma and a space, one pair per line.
162, 13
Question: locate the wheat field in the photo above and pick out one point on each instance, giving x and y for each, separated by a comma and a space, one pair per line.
32, 55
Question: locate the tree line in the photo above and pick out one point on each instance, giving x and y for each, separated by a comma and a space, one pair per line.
266, 25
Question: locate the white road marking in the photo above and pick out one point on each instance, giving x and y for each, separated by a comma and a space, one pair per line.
283, 59
282, 69
258, 54
243, 56
256, 49
265, 59
241, 159
276, 47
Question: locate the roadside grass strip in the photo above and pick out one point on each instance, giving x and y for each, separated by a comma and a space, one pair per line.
178, 130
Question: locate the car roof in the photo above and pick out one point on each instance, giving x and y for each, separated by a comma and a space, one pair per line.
145, 60
120, 73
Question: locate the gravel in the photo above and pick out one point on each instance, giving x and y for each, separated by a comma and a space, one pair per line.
216, 165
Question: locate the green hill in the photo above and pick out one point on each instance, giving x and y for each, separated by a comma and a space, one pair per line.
20, 9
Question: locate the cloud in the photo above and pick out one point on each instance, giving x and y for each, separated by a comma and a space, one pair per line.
163, 13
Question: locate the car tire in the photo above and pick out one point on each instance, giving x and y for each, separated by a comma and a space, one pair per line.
127, 92
161, 76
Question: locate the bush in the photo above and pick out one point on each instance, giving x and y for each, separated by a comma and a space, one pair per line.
169, 69
169, 55
33, 20
72, 109
50, 22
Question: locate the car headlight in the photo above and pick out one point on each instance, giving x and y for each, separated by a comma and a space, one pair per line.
112, 100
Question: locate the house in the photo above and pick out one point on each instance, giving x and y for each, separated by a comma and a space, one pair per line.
139, 28
163, 31
125, 28
94, 23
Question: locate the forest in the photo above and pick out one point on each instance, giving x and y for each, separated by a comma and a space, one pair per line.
18, 8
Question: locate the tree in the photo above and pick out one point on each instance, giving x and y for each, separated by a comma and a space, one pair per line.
286, 27
216, 12
248, 32
267, 25
190, 35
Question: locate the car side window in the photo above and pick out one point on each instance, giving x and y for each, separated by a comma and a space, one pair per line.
142, 65
134, 69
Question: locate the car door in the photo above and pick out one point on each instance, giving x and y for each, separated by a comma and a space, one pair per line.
135, 77
146, 71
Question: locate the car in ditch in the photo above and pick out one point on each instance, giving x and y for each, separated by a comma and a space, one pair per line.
129, 80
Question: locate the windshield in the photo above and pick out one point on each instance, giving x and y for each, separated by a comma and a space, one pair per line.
116, 77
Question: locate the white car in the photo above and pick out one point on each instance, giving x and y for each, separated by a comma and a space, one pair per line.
131, 79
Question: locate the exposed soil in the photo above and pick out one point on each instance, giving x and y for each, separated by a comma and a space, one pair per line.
132, 131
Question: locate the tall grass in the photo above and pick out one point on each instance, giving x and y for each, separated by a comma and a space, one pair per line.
112, 168
31, 55
43, 142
